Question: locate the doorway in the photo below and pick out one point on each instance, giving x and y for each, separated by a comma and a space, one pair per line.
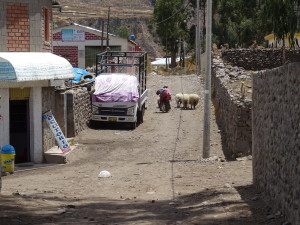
19, 129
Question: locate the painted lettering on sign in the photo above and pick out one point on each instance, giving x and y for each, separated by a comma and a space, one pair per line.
58, 134
72, 35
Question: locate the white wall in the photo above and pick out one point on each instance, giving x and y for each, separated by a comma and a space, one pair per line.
35, 110
4, 116
36, 138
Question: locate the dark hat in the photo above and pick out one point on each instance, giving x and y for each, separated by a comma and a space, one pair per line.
165, 86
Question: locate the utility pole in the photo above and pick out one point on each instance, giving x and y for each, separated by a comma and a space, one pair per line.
102, 35
207, 94
108, 18
184, 53
198, 40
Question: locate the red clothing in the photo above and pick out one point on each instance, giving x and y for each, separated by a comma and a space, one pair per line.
164, 94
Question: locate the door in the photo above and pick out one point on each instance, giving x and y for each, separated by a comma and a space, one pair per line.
19, 129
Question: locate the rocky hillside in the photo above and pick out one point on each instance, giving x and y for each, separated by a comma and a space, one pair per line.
133, 14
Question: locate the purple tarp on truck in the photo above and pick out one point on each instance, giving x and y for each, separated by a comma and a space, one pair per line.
116, 87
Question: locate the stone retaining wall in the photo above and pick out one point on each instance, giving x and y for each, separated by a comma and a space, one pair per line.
259, 59
48, 103
82, 110
77, 104
275, 109
276, 135
232, 101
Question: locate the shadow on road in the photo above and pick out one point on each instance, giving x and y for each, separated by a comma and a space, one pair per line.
202, 208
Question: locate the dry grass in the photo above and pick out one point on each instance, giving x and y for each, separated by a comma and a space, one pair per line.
120, 9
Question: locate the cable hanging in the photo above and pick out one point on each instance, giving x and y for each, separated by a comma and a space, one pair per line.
184, 7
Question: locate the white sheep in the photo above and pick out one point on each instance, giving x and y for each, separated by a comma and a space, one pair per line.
178, 98
193, 100
185, 101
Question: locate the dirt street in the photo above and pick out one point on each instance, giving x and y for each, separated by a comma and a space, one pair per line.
157, 176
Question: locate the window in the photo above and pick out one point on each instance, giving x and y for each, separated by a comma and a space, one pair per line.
46, 25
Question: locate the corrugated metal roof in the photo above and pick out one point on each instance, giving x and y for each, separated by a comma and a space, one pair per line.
34, 66
91, 28
162, 61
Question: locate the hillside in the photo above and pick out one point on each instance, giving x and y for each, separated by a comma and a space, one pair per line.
133, 14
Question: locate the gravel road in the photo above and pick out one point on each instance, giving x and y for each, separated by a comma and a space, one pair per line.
157, 175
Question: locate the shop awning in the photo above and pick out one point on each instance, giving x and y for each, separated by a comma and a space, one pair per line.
34, 66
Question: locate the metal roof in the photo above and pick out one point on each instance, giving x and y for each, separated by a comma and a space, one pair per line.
34, 66
92, 29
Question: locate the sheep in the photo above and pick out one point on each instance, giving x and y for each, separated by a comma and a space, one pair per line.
193, 100
178, 98
185, 101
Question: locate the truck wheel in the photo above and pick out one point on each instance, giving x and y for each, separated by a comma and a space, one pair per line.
133, 125
92, 124
140, 116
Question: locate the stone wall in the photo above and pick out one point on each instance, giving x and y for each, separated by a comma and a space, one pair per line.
232, 100
76, 102
276, 135
231, 92
79, 112
48, 103
259, 59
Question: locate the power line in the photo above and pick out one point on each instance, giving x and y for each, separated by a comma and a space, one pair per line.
172, 15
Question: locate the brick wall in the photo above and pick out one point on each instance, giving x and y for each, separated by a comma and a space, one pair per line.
18, 30
46, 24
24, 25
90, 36
68, 52
57, 36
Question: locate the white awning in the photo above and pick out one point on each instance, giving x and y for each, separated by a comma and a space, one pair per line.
34, 66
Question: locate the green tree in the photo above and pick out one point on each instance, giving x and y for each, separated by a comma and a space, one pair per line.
169, 21
283, 16
237, 22
123, 32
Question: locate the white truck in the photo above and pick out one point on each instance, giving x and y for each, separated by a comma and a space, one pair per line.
120, 92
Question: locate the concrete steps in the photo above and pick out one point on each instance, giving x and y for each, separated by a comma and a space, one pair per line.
56, 156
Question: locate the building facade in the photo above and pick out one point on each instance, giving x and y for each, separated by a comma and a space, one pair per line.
25, 26
80, 44
273, 42
27, 90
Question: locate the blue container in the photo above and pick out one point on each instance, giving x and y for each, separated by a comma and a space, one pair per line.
8, 158
8, 149
132, 37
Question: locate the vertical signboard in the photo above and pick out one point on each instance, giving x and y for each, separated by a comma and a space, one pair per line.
59, 136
